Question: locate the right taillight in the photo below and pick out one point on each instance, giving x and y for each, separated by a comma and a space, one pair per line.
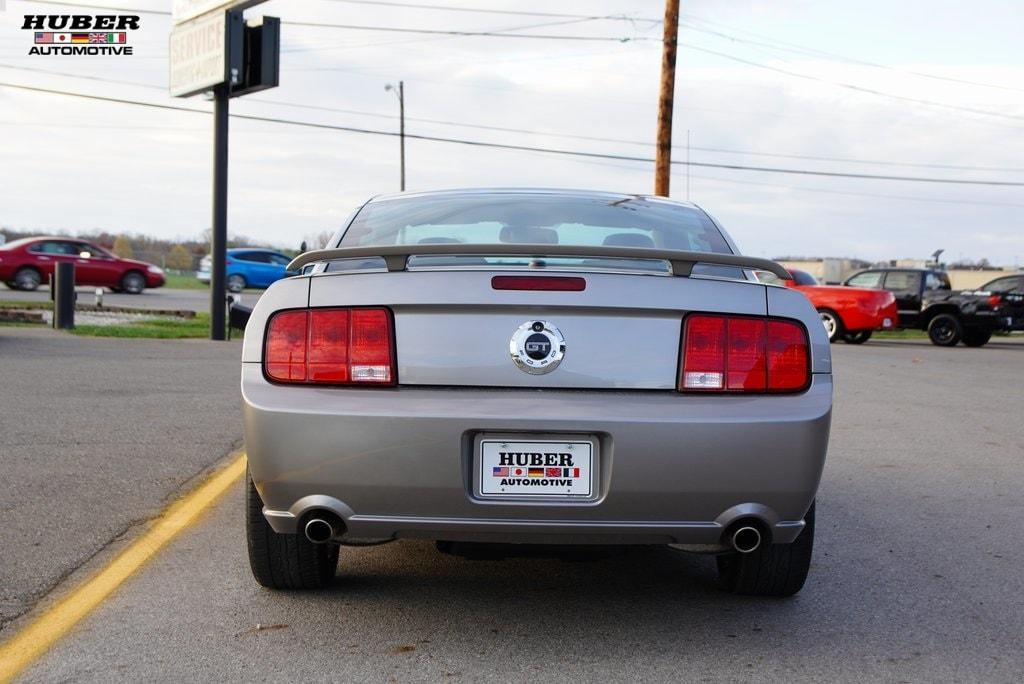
743, 354
331, 347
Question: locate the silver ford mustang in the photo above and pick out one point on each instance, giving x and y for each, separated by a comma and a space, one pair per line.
534, 366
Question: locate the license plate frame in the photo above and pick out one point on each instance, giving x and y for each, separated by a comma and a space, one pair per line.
565, 452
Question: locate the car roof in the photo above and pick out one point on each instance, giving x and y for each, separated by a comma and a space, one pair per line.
563, 192
1005, 276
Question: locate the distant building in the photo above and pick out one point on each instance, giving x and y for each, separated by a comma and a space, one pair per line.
832, 271
828, 270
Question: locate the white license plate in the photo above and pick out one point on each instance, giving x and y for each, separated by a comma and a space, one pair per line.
536, 468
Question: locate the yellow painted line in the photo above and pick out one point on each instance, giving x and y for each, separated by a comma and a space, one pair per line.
54, 622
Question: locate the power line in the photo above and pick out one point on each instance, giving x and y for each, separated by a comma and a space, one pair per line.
307, 48
794, 48
849, 86
570, 136
527, 148
479, 10
803, 188
452, 32
624, 166
134, 10
389, 29
498, 34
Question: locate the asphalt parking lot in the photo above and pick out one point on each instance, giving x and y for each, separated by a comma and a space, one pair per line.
96, 434
916, 574
160, 298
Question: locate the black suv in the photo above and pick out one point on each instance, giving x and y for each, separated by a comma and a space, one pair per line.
927, 302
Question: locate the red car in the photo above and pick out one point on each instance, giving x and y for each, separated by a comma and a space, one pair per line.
848, 313
28, 263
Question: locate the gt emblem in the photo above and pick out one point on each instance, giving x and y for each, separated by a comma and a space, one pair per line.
537, 347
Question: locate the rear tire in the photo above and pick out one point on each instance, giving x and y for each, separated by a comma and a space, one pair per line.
977, 337
772, 569
284, 561
833, 324
27, 279
945, 330
859, 337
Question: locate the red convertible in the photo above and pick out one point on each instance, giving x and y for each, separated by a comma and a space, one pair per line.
28, 263
848, 313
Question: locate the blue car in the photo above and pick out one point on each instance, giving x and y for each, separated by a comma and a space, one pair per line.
248, 267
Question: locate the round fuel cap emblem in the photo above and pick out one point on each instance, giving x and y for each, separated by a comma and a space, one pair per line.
537, 347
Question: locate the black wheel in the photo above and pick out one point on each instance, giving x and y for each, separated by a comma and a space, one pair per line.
133, 282
772, 569
236, 283
945, 330
284, 561
977, 337
859, 337
28, 279
833, 325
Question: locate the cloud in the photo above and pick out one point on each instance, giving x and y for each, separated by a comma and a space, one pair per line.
75, 164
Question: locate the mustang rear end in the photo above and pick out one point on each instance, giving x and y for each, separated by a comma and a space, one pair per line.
535, 367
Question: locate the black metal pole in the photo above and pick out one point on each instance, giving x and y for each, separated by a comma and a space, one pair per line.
219, 235
401, 127
64, 296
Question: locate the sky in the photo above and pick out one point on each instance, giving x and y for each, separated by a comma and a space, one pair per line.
928, 89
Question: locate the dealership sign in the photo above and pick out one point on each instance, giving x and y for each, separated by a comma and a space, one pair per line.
197, 52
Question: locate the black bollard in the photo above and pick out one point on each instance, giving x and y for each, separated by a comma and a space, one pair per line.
64, 296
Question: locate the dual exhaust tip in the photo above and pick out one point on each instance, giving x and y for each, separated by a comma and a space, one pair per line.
322, 527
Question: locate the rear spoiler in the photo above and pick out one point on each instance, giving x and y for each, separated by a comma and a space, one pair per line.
396, 256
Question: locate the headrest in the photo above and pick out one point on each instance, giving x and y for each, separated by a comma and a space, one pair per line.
629, 240
528, 235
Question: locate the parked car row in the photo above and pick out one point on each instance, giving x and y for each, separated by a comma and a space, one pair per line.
28, 263
909, 298
926, 301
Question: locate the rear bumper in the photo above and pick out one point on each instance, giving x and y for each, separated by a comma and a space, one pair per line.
399, 462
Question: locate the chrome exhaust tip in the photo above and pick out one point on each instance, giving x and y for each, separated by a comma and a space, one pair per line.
746, 539
320, 530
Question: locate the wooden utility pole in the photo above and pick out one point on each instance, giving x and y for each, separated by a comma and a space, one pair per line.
663, 159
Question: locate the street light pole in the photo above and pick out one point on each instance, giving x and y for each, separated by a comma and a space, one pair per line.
400, 91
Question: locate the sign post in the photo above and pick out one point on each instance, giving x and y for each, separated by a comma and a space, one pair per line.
212, 50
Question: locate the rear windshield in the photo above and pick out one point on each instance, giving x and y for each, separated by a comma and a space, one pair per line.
525, 218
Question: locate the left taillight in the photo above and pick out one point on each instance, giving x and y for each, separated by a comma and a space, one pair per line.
331, 347
743, 354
